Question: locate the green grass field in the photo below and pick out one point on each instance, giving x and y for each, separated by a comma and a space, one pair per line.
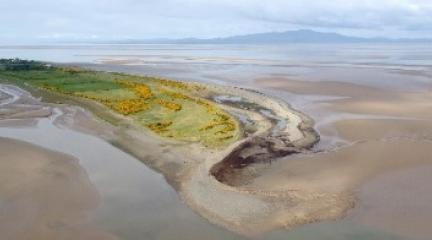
170, 109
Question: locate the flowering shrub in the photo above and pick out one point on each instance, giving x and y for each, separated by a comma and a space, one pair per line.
169, 105
142, 90
127, 107
160, 127
227, 124
177, 95
173, 84
198, 119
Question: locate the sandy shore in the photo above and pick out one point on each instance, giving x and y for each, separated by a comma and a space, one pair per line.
384, 159
188, 166
44, 195
387, 132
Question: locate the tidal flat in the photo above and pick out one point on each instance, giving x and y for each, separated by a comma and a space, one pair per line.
374, 137
203, 150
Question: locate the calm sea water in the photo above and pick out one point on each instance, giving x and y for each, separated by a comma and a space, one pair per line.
358, 54
394, 65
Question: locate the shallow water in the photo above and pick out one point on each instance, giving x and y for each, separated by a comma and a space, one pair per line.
391, 63
137, 203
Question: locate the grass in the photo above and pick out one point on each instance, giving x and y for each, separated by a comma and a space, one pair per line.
168, 108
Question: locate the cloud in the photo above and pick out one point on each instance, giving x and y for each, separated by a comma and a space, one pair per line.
114, 19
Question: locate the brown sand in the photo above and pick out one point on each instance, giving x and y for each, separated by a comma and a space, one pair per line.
386, 166
44, 195
305, 188
361, 99
398, 202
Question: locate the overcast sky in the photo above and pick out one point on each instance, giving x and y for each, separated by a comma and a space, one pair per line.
41, 20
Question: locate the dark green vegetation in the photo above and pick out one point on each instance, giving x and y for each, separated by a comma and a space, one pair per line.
18, 64
168, 108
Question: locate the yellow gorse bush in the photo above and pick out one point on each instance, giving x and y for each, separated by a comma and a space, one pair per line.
177, 95
127, 107
221, 127
160, 127
227, 124
169, 105
143, 91
172, 84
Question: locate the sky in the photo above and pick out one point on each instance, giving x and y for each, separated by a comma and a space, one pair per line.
70, 20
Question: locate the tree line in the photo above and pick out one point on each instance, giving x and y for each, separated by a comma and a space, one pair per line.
16, 64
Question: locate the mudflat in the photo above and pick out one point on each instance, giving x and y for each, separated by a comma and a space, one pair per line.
384, 158
383, 137
268, 126
45, 195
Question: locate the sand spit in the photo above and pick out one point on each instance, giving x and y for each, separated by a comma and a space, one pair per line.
258, 184
287, 132
188, 166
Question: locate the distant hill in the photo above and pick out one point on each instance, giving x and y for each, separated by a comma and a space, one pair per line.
299, 36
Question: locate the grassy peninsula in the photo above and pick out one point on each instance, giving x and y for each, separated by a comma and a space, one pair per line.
242, 131
168, 108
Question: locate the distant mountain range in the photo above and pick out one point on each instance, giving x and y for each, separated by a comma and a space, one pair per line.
298, 36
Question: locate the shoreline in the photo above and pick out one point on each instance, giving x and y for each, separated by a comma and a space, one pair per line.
295, 190
61, 193
388, 141
312, 186
188, 171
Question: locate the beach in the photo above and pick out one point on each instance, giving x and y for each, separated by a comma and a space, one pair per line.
389, 145
373, 149
45, 195
190, 167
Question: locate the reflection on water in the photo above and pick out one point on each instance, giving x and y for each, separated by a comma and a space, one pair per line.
327, 54
234, 63
344, 230
137, 203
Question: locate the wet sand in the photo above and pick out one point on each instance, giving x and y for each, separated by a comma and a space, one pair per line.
383, 139
187, 168
136, 205
383, 163
45, 195
398, 202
